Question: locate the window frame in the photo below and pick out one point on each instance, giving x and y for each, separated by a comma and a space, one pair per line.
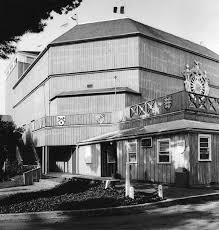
136, 148
209, 146
158, 151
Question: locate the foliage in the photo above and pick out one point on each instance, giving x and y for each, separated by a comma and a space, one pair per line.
9, 135
19, 17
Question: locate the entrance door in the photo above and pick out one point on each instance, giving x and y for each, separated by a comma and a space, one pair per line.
108, 159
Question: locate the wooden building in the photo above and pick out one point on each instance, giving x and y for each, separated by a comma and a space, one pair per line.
83, 84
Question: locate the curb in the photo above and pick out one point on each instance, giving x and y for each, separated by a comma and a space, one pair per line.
121, 210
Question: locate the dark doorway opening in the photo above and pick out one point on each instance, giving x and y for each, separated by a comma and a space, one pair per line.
108, 159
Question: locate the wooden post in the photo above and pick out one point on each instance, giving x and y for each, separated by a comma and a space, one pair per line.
43, 160
127, 176
46, 159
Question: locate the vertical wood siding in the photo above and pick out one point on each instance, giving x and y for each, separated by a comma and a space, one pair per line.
154, 85
147, 167
204, 172
71, 135
96, 55
163, 58
32, 108
94, 166
90, 104
65, 83
79, 119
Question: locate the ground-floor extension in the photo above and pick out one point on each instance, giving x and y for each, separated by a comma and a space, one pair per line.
180, 151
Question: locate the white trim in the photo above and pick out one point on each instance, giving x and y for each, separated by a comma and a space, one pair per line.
209, 146
158, 148
136, 150
146, 146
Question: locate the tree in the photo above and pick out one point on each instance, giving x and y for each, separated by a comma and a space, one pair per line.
19, 17
9, 138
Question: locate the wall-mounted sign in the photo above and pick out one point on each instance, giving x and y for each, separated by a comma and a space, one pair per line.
196, 80
60, 120
167, 102
100, 118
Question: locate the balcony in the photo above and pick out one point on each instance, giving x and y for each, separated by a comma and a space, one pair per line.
179, 101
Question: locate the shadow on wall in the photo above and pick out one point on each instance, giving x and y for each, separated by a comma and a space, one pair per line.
27, 149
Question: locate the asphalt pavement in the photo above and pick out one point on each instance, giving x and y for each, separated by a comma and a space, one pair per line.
193, 216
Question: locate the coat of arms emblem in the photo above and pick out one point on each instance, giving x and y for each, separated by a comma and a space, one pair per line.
196, 80
100, 118
167, 102
60, 120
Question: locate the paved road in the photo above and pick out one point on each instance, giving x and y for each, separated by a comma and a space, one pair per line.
196, 216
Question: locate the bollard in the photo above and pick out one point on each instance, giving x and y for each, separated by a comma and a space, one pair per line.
131, 192
160, 191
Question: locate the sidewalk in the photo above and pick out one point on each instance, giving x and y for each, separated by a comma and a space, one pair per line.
37, 186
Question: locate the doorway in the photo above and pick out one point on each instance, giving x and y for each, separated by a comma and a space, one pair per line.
108, 159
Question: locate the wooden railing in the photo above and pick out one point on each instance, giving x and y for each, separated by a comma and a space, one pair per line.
75, 119
175, 102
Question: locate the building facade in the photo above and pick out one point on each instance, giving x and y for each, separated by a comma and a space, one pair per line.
83, 84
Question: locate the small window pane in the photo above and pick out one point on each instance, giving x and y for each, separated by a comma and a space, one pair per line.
202, 144
132, 147
204, 156
164, 158
164, 146
132, 157
204, 139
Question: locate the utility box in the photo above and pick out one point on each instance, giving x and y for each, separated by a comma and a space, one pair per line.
182, 178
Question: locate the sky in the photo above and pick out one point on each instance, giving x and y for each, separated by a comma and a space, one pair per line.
195, 20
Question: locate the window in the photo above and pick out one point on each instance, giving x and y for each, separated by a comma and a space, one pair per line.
111, 153
163, 151
204, 147
146, 142
89, 85
132, 151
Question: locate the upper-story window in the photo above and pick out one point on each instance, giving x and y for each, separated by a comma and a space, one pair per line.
204, 147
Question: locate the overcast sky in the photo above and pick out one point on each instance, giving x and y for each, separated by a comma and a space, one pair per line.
195, 20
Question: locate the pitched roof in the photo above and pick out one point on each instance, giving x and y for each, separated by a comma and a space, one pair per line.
96, 92
126, 26
155, 129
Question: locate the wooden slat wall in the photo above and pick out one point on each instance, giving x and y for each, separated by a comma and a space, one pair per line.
32, 108
160, 57
39, 137
90, 104
94, 55
65, 83
93, 168
153, 85
147, 167
72, 134
79, 119
204, 172
34, 77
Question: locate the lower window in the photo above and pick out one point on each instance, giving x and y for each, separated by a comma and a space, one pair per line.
132, 151
163, 151
204, 147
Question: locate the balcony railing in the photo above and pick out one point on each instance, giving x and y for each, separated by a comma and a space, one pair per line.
175, 102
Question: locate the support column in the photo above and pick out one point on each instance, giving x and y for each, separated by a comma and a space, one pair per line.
43, 160
46, 159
